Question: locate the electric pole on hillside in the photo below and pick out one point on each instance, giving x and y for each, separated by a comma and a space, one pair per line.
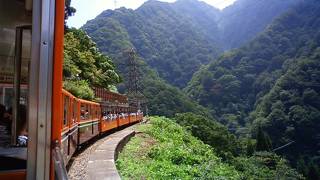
136, 98
115, 4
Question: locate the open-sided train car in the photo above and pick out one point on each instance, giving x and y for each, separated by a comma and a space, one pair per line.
88, 120
83, 120
41, 125
69, 125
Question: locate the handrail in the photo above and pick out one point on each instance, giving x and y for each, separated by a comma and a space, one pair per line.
60, 170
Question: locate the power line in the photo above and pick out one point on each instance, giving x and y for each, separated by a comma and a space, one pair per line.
281, 147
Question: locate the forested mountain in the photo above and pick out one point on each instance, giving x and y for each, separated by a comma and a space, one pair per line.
164, 99
272, 82
266, 92
177, 38
246, 18
163, 34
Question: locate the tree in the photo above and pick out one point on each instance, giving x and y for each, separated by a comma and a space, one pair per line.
84, 66
313, 173
263, 141
210, 132
68, 11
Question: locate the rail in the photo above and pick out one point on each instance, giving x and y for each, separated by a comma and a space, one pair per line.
59, 167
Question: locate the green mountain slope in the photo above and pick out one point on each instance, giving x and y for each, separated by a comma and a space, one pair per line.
242, 21
166, 100
165, 150
291, 110
164, 35
177, 38
275, 78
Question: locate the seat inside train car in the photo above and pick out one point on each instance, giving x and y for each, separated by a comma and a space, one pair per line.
15, 55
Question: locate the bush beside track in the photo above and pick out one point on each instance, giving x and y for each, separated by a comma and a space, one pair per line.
164, 150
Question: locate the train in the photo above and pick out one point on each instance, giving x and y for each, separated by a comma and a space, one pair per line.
41, 124
83, 120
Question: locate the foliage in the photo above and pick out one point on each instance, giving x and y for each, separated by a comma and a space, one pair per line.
165, 150
177, 38
210, 132
291, 110
166, 100
239, 21
271, 82
80, 89
84, 65
172, 153
174, 39
263, 141
265, 165
163, 35
68, 11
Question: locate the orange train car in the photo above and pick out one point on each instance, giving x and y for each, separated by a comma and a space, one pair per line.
89, 117
83, 120
108, 119
69, 125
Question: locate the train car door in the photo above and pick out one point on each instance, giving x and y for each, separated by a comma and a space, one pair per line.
15, 56
26, 61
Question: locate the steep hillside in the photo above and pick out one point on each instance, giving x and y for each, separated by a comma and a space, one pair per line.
164, 150
177, 38
166, 100
165, 35
276, 76
291, 110
245, 19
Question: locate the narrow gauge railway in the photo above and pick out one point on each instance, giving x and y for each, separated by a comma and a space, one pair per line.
41, 124
83, 120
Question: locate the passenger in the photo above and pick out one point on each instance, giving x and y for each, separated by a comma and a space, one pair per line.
86, 115
109, 116
104, 115
2, 111
7, 118
22, 129
5, 128
82, 114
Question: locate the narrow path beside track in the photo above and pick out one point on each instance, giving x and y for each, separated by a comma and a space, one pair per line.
79, 168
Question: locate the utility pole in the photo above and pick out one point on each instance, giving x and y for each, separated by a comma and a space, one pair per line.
115, 4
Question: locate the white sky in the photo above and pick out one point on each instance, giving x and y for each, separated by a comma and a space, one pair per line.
89, 9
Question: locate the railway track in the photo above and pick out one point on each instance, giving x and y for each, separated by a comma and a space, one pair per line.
78, 167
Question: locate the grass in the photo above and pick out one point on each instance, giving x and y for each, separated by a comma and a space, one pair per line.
164, 150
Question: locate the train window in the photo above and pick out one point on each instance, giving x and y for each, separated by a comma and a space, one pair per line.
74, 111
97, 116
92, 112
83, 112
66, 103
93, 109
15, 55
88, 110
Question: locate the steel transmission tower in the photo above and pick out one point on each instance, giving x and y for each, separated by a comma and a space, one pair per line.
133, 81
